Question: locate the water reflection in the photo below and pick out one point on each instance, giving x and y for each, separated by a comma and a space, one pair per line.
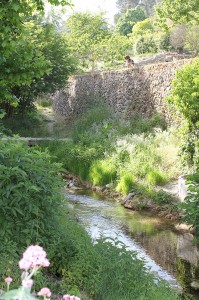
167, 252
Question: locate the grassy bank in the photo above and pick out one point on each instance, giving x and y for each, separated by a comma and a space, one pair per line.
33, 211
134, 155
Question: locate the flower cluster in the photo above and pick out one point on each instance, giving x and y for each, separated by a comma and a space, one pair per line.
33, 258
68, 297
44, 292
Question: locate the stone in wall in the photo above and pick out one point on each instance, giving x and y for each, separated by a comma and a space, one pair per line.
129, 92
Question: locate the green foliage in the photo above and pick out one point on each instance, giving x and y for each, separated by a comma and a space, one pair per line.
31, 124
162, 198
126, 22
85, 32
101, 151
155, 177
30, 193
184, 98
55, 50
146, 44
126, 183
102, 172
185, 92
22, 61
189, 147
92, 42
143, 27
164, 42
178, 12
110, 269
190, 204
140, 125
44, 101
112, 54
192, 38
178, 37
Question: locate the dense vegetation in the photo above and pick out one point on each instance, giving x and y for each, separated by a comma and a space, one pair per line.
36, 57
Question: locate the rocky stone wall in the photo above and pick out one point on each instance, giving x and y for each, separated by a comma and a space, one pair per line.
127, 92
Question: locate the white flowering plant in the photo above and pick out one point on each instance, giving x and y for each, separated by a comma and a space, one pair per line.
33, 259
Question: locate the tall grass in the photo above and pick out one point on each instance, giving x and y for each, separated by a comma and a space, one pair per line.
107, 270
103, 149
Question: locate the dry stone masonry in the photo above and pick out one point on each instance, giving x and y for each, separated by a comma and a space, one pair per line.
127, 92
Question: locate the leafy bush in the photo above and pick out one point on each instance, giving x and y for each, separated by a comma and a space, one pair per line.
155, 177
44, 101
30, 193
127, 20
146, 44
162, 197
30, 124
189, 147
184, 98
191, 203
126, 183
164, 42
185, 91
146, 125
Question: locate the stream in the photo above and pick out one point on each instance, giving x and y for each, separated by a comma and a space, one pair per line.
168, 253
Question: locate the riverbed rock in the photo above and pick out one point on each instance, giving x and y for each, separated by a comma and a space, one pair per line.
128, 197
195, 285
182, 187
134, 202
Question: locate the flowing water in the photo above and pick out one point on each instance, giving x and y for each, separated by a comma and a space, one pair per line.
169, 253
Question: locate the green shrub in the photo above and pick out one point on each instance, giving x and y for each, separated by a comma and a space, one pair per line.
191, 203
146, 44
161, 197
97, 113
29, 194
30, 124
44, 101
184, 98
126, 183
185, 91
155, 177
102, 172
146, 125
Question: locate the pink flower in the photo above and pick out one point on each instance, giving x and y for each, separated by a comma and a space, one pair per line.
27, 283
8, 280
44, 292
68, 297
33, 257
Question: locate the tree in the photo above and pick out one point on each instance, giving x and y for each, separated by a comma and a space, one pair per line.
178, 37
192, 38
57, 54
93, 43
129, 19
21, 59
178, 11
185, 92
111, 53
143, 27
124, 5
85, 33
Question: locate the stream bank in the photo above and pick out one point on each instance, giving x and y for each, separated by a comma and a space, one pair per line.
168, 253
134, 202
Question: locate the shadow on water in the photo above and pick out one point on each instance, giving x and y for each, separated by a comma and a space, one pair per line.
167, 252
